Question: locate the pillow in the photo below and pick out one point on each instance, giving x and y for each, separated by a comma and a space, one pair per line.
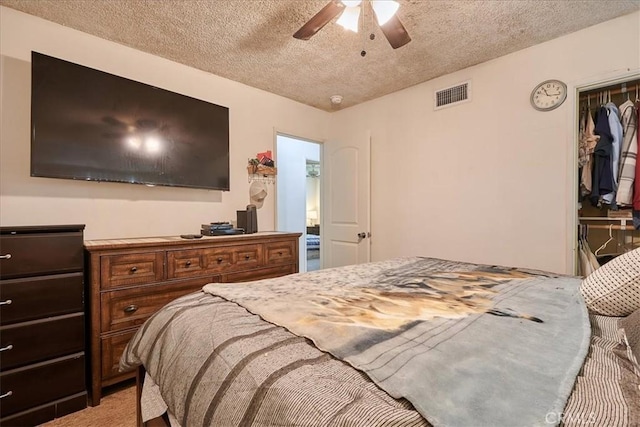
614, 288
631, 326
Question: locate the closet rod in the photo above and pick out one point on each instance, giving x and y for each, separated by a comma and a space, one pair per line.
631, 89
605, 218
613, 227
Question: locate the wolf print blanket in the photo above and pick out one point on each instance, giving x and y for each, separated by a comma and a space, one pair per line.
466, 344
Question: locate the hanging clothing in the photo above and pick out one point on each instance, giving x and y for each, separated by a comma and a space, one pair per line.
628, 156
582, 143
602, 180
615, 127
587, 144
585, 267
588, 261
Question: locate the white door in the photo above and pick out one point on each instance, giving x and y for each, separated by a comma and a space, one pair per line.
346, 202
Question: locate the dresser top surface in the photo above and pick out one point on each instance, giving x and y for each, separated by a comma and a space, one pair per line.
26, 229
177, 240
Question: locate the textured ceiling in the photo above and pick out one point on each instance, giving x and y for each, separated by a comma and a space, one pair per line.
250, 41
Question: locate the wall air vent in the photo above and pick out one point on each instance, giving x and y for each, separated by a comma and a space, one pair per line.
453, 95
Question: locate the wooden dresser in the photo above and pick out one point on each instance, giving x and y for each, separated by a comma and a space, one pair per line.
130, 279
42, 323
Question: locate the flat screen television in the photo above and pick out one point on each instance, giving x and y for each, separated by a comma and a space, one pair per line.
91, 125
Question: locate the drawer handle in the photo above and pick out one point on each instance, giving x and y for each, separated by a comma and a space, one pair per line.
7, 394
6, 302
219, 260
134, 269
188, 263
7, 256
131, 308
9, 347
280, 253
247, 257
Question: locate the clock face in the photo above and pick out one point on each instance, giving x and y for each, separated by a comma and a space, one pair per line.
548, 95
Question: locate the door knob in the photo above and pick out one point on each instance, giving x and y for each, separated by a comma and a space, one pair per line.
362, 235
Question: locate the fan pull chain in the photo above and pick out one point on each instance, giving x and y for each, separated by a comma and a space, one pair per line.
363, 52
372, 35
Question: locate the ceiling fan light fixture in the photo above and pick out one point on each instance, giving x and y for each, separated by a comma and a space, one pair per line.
349, 18
351, 3
384, 10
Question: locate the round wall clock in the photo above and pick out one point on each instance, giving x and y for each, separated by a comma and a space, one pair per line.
548, 95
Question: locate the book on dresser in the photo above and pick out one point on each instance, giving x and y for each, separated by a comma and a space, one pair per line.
130, 279
42, 323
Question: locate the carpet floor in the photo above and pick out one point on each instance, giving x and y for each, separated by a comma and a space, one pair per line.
117, 408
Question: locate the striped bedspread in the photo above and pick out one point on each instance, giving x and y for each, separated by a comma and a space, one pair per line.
607, 390
606, 393
214, 364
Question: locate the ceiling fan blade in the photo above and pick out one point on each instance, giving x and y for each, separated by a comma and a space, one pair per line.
319, 20
395, 32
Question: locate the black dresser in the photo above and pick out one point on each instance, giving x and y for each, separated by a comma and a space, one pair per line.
42, 323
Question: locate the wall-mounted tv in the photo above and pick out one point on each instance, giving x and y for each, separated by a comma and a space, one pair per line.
91, 125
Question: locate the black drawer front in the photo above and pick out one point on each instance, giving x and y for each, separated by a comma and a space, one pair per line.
31, 342
42, 414
41, 383
37, 254
38, 297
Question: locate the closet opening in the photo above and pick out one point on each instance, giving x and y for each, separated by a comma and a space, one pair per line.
608, 173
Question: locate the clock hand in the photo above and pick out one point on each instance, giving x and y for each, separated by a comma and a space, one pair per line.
545, 91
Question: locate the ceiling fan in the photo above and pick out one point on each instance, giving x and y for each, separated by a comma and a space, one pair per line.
385, 11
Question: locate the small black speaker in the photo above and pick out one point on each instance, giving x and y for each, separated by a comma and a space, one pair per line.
248, 219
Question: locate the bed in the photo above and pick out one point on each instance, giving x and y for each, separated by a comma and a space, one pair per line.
406, 342
313, 246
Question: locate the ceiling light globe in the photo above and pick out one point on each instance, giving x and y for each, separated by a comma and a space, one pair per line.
384, 10
349, 18
351, 3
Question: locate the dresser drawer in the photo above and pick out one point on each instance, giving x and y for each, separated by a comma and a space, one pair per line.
127, 308
280, 252
112, 348
41, 414
41, 383
43, 296
131, 269
40, 253
259, 274
34, 341
196, 262
247, 257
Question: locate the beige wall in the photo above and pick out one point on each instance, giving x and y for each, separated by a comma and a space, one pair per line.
122, 210
491, 180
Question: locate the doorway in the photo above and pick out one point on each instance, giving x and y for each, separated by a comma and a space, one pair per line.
605, 221
298, 196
